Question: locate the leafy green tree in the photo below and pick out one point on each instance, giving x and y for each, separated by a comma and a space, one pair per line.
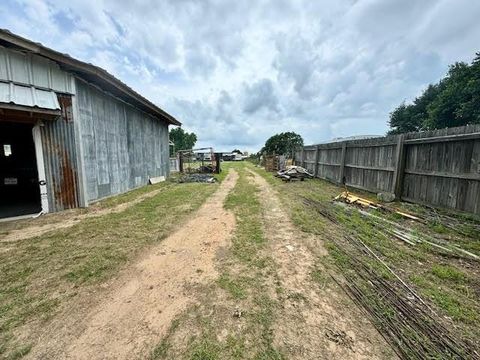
283, 144
236, 151
182, 139
454, 101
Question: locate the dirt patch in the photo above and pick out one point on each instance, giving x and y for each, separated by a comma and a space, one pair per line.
71, 219
314, 319
137, 308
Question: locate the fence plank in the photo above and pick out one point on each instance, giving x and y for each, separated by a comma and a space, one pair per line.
342, 164
317, 154
399, 167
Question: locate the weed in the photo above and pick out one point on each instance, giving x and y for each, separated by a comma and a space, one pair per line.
235, 287
448, 272
452, 305
19, 352
205, 349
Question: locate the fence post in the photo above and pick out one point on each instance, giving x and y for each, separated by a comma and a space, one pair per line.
303, 157
317, 154
180, 162
399, 167
342, 162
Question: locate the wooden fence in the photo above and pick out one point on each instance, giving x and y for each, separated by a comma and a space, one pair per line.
439, 168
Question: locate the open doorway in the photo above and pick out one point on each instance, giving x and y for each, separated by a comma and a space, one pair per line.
19, 187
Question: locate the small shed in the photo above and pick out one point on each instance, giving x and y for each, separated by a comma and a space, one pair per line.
70, 132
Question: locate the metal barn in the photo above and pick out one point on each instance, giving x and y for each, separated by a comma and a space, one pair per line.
71, 133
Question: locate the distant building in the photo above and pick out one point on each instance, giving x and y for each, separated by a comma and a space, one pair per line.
70, 132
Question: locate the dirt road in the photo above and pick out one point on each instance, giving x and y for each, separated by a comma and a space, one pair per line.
317, 321
134, 312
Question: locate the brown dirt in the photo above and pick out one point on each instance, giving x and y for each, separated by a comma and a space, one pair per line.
137, 308
317, 321
69, 219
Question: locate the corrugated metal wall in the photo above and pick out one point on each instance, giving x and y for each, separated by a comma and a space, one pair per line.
58, 140
122, 145
21, 70
30, 69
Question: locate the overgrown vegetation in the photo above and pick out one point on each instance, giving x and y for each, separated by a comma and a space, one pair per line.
446, 281
235, 317
40, 274
453, 101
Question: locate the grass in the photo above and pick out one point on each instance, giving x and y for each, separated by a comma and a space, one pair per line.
210, 331
445, 281
448, 272
41, 274
235, 286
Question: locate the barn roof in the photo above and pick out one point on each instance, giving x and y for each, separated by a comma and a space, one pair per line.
88, 72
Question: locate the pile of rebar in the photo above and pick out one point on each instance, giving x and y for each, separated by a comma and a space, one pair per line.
401, 316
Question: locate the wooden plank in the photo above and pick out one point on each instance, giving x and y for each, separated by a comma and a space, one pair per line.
399, 167
317, 154
328, 164
376, 168
416, 201
352, 146
342, 164
465, 176
459, 137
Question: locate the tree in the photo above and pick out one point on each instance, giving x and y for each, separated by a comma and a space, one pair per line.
453, 101
236, 151
182, 139
283, 144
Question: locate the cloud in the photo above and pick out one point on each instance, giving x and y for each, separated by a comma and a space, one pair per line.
260, 95
236, 72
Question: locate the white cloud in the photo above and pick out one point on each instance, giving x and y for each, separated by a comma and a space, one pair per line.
236, 72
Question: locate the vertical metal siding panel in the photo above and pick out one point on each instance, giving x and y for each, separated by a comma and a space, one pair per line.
122, 149
123, 146
19, 67
3, 64
60, 159
87, 118
165, 151
34, 70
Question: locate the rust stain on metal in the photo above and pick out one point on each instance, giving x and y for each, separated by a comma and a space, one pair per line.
59, 144
67, 190
66, 107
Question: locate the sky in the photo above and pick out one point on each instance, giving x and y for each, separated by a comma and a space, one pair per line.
236, 72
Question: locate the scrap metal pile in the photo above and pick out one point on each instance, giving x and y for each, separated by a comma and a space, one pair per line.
294, 172
400, 314
199, 178
398, 231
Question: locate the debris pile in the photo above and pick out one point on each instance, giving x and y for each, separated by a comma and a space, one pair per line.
351, 199
401, 315
294, 172
199, 178
399, 231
